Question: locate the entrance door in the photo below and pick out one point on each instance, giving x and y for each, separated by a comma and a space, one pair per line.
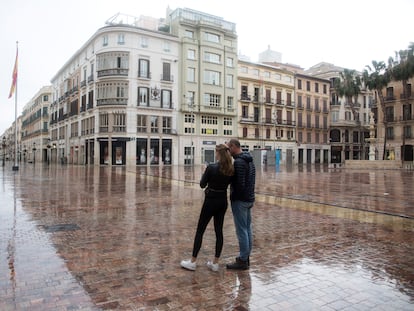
209, 156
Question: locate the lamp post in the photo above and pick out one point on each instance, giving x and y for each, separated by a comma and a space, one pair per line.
4, 149
34, 152
48, 151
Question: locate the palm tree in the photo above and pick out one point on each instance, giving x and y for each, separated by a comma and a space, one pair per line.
375, 79
349, 86
402, 69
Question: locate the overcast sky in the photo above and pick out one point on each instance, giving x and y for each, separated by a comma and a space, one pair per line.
348, 33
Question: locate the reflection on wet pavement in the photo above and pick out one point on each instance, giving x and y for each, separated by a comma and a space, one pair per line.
102, 238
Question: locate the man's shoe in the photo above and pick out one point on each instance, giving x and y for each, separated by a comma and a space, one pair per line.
248, 260
187, 264
213, 266
238, 265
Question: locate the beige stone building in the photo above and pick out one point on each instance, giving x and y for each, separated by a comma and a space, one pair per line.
206, 114
267, 110
312, 119
34, 145
400, 123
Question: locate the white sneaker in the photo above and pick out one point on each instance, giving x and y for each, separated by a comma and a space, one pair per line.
213, 266
187, 264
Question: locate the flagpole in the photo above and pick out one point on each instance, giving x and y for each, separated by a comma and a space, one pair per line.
15, 166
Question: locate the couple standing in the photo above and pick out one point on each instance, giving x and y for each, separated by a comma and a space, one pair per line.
241, 175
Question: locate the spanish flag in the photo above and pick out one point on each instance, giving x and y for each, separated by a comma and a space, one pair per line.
14, 82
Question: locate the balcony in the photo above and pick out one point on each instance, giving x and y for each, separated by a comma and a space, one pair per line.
112, 102
244, 97
113, 72
167, 78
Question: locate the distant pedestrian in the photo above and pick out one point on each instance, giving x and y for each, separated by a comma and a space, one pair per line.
215, 179
242, 197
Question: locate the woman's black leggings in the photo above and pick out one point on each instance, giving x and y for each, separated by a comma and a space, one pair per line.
212, 207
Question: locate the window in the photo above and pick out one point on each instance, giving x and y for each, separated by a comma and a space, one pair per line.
229, 81
243, 69
334, 116
268, 95
229, 62
190, 98
189, 34
212, 77
316, 87
230, 103
112, 63
190, 74
212, 100
191, 54
103, 123
325, 89
119, 122
255, 72
300, 137
143, 96
407, 131
309, 137
189, 118
245, 112
154, 124
407, 112
121, 38
390, 133
228, 121
166, 46
166, 125
166, 99
389, 114
141, 123
212, 120
308, 120
317, 121
289, 99
390, 93
105, 40
144, 42
308, 88
278, 76
143, 68
245, 132
299, 119
211, 37
166, 72
299, 84
212, 57
300, 105
112, 93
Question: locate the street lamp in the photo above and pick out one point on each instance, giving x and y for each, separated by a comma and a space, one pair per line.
34, 152
24, 153
4, 149
48, 150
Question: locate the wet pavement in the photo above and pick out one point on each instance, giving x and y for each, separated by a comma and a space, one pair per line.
111, 238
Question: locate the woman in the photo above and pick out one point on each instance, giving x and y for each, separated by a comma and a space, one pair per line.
216, 178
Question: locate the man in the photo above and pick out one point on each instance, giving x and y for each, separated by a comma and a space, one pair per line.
242, 197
